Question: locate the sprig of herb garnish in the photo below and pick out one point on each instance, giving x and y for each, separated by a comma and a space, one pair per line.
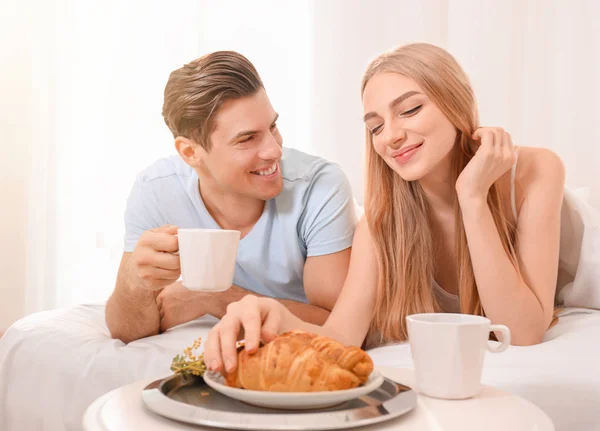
188, 363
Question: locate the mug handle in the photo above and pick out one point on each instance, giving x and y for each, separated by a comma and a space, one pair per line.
505, 338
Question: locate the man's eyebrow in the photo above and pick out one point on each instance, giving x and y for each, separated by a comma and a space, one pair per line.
251, 132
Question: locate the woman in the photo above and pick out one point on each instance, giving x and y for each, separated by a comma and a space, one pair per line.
457, 219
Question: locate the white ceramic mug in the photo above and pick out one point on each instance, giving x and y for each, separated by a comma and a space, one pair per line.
448, 351
207, 258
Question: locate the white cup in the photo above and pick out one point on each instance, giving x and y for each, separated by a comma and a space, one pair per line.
207, 258
448, 351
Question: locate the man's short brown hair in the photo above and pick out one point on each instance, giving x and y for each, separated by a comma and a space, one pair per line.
195, 92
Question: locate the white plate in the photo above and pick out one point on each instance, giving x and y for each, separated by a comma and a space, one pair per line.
293, 400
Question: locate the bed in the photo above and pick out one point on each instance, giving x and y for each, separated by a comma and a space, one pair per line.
54, 364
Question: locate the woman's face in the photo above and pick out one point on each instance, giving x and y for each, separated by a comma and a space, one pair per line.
409, 131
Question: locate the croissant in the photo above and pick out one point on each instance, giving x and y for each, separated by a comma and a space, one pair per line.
298, 361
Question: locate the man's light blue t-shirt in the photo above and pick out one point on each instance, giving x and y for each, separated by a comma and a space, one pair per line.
313, 215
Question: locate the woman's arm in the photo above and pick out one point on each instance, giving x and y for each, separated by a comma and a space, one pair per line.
524, 304
264, 318
351, 316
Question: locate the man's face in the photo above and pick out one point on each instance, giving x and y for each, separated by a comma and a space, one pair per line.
245, 154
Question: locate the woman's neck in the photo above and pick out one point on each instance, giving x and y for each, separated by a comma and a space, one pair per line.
439, 186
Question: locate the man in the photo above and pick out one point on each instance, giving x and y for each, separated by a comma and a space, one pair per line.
295, 211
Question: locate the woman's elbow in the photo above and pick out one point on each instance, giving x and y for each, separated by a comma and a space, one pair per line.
527, 339
532, 331
529, 336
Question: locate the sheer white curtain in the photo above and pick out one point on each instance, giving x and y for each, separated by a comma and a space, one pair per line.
99, 69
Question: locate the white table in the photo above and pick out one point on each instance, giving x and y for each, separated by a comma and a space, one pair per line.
493, 409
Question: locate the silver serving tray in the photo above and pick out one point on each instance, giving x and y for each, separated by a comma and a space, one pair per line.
190, 400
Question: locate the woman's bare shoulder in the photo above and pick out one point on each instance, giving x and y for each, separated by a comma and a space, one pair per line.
540, 171
539, 164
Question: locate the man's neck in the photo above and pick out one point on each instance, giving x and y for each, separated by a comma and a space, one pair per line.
231, 211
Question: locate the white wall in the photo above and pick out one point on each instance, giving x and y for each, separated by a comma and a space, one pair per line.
534, 66
276, 38
348, 34
112, 63
15, 145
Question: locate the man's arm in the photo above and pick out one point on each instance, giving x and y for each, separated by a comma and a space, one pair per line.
308, 312
327, 228
323, 280
131, 311
324, 277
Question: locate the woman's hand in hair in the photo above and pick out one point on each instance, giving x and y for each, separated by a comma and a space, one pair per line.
496, 155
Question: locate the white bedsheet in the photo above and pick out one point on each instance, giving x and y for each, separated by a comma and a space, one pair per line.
54, 364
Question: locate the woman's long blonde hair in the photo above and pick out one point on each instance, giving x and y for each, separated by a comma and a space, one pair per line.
397, 211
